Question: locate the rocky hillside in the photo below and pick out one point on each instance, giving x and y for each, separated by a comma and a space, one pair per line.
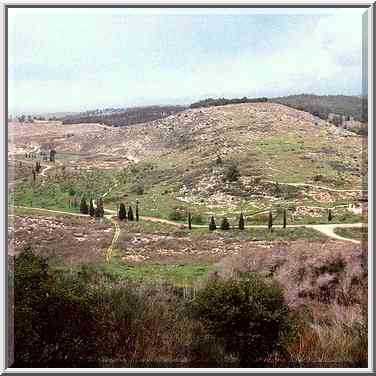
266, 141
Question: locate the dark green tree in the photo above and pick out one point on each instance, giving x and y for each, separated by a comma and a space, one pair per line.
84, 209
270, 221
91, 208
241, 222
52, 155
99, 211
249, 315
130, 214
330, 216
225, 225
284, 218
137, 213
189, 221
34, 175
122, 212
212, 225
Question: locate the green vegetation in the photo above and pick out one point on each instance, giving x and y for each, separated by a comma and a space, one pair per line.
241, 222
177, 275
212, 225
249, 315
130, 214
122, 212
84, 209
321, 106
225, 225
359, 233
223, 101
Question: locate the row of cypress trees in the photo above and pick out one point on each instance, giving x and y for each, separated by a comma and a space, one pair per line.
225, 225
97, 212
124, 215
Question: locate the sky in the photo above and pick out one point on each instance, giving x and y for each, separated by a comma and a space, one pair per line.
82, 59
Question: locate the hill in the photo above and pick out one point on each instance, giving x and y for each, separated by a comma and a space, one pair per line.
119, 117
219, 159
323, 105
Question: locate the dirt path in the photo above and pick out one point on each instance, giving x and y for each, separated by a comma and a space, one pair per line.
51, 211
46, 168
326, 229
318, 187
114, 239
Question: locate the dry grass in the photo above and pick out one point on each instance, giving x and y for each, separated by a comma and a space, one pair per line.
63, 240
323, 272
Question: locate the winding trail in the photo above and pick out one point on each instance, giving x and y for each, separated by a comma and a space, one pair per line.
114, 239
317, 187
326, 229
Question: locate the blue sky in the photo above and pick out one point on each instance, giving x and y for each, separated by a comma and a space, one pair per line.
79, 59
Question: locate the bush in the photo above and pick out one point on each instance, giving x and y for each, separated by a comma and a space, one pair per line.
232, 173
53, 323
177, 214
225, 225
249, 315
197, 219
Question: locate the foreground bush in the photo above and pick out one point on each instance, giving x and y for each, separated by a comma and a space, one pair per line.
249, 315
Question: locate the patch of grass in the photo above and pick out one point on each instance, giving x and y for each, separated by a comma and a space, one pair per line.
359, 233
147, 227
178, 275
257, 234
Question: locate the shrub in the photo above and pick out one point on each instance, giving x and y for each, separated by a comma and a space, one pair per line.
53, 324
197, 219
232, 173
249, 315
225, 225
177, 214
84, 209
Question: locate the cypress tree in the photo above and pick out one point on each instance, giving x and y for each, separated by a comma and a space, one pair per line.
225, 225
130, 214
34, 175
270, 221
91, 208
330, 216
212, 225
189, 221
101, 209
284, 218
122, 212
241, 222
83, 206
137, 214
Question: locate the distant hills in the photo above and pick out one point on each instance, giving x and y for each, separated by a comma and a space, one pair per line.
119, 117
317, 105
323, 105
209, 102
